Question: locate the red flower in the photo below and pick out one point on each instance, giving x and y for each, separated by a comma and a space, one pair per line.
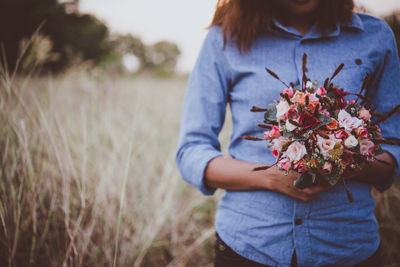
339, 97
347, 157
308, 121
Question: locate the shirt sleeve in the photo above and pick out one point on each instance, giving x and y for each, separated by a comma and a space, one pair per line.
385, 95
203, 112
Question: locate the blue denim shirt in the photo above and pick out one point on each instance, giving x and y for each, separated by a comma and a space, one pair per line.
260, 225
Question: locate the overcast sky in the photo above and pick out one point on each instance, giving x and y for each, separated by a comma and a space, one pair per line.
179, 21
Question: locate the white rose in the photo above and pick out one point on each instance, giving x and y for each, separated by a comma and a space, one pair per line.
313, 97
282, 108
278, 143
296, 151
347, 121
351, 141
290, 127
309, 85
325, 145
366, 147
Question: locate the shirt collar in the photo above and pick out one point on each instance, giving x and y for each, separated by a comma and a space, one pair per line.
354, 23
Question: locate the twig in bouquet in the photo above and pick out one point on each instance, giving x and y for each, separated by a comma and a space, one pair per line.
387, 115
304, 67
271, 122
338, 69
394, 140
388, 141
287, 98
326, 83
366, 82
364, 98
252, 138
376, 114
273, 74
266, 167
316, 110
295, 123
262, 168
264, 126
307, 100
382, 161
257, 109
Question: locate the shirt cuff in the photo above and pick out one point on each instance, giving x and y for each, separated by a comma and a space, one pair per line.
201, 169
395, 172
192, 163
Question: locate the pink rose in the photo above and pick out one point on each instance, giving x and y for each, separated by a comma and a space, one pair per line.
292, 114
277, 143
321, 91
347, 121
362, 132
289, 92
327, 167
297, 96
274, 152
325, 145
296, 151
281, 109
367, 147
364, 114
325, 112
285, 164
301, 166
341, 134
274, 133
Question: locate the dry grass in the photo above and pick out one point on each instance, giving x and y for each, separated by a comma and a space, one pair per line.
88, 176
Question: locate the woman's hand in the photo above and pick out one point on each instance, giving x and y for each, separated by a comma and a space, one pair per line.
284, 184
232, 174
376, 172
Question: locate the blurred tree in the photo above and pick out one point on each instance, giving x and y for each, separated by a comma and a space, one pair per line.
394, 22
72, 35
161, 56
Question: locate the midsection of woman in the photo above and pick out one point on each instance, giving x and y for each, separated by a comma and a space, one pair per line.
258, 224
266, 226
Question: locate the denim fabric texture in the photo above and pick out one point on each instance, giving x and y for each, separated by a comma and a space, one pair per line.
264, 226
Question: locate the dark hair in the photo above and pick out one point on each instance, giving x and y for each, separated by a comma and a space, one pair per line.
245, 20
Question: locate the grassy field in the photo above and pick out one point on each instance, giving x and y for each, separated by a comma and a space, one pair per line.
88, 176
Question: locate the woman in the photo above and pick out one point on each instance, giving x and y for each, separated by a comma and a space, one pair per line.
262, 220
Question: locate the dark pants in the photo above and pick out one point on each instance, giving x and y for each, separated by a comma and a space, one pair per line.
226, 257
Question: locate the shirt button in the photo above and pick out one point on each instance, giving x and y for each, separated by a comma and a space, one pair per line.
298, 221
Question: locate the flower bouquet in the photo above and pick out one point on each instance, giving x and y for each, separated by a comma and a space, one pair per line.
314, 131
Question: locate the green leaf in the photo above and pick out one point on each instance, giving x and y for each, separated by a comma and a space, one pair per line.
353, 109
305, 180
270, 115
287, 134
324, 120
333, 177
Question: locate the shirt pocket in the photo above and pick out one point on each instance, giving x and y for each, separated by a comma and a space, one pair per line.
351, 77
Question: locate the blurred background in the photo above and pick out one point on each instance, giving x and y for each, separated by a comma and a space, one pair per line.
91, 93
